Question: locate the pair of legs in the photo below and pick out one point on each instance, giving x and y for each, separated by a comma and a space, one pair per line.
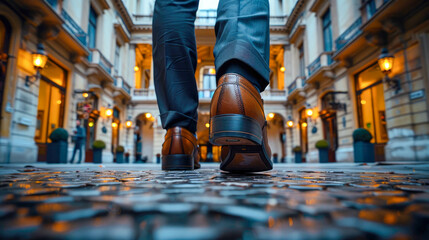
77, 147
242, 46
242, 69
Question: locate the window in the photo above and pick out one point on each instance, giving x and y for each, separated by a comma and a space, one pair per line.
117, 58
370, 8
92, 28
301, 61
327, 31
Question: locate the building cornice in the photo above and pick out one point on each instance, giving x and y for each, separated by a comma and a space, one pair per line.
293, 17
123, 12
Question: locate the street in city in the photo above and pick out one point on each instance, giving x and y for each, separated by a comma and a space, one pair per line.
139, 201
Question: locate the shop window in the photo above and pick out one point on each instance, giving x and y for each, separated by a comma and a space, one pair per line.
5, 32
50, 108
116, 124
371, 103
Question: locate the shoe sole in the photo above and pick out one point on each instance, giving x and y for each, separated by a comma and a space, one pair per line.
177, 162
244, 137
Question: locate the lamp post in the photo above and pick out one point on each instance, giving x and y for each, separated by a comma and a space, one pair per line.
289, 125
39, 61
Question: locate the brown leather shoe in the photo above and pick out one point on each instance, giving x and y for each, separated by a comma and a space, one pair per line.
180, 150
237, 123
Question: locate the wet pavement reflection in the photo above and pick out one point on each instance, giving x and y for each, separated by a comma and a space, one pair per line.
348, 201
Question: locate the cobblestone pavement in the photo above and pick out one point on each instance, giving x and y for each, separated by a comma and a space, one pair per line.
307, 201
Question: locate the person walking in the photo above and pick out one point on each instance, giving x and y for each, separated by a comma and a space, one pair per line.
79, 141
237, 118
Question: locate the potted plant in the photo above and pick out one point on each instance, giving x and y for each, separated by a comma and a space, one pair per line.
127, 157
322, 146
298, 154
120, 154
98, 147
363, 150
57, 149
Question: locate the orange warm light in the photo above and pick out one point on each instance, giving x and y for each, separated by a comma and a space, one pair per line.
282, 69
148, 115
212, 71
114, 125
109, 112
136, 68
304, 124
271, 115
128, 124
289, 123
207, 125
309, 112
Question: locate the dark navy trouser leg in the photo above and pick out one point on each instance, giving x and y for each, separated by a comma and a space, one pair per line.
175, 61
243, 33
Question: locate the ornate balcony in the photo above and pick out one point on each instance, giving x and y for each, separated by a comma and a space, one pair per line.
295, 89
348, 35
144, 95
100, 66
122, 88
320, 69
73, 28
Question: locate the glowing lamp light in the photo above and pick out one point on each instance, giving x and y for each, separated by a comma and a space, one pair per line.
59, 102
207, 125
199, 60
39, 57
289, 123
282, 69
304, 124
114, 125
362, 102
109, 112
85, 95
91, 124
39, 61
385, 61
212, 71
129, 124
309, 112
271, 115
136, 68
148, 115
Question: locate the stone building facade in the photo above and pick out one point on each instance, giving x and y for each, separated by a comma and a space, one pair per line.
323, 57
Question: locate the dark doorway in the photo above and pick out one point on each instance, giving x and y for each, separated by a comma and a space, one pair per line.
330, 124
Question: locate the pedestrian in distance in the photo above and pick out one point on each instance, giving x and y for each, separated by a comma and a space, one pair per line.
79, 137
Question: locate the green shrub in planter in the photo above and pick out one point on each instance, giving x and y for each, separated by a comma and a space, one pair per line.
120, 154
298, 154
322, 146
57, 149
98, 147
361, 135
363, 150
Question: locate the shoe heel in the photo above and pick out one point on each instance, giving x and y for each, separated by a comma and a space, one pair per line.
234, 129
178, 162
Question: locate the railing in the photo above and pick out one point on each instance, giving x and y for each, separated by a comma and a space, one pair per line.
126, 87
324, 59
349, 34
297, 83
144, 94
205, 18
205, 93
273, 94
120, 82
73, 27
97, 57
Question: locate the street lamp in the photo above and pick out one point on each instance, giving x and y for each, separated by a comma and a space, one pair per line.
129, 124
289, 124
385, 62
109, 112
309, 112
282, 69
39, 61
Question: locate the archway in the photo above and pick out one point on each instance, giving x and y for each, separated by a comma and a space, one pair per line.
144, 137
276, 134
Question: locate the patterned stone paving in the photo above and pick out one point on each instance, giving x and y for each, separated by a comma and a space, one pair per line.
307, 201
